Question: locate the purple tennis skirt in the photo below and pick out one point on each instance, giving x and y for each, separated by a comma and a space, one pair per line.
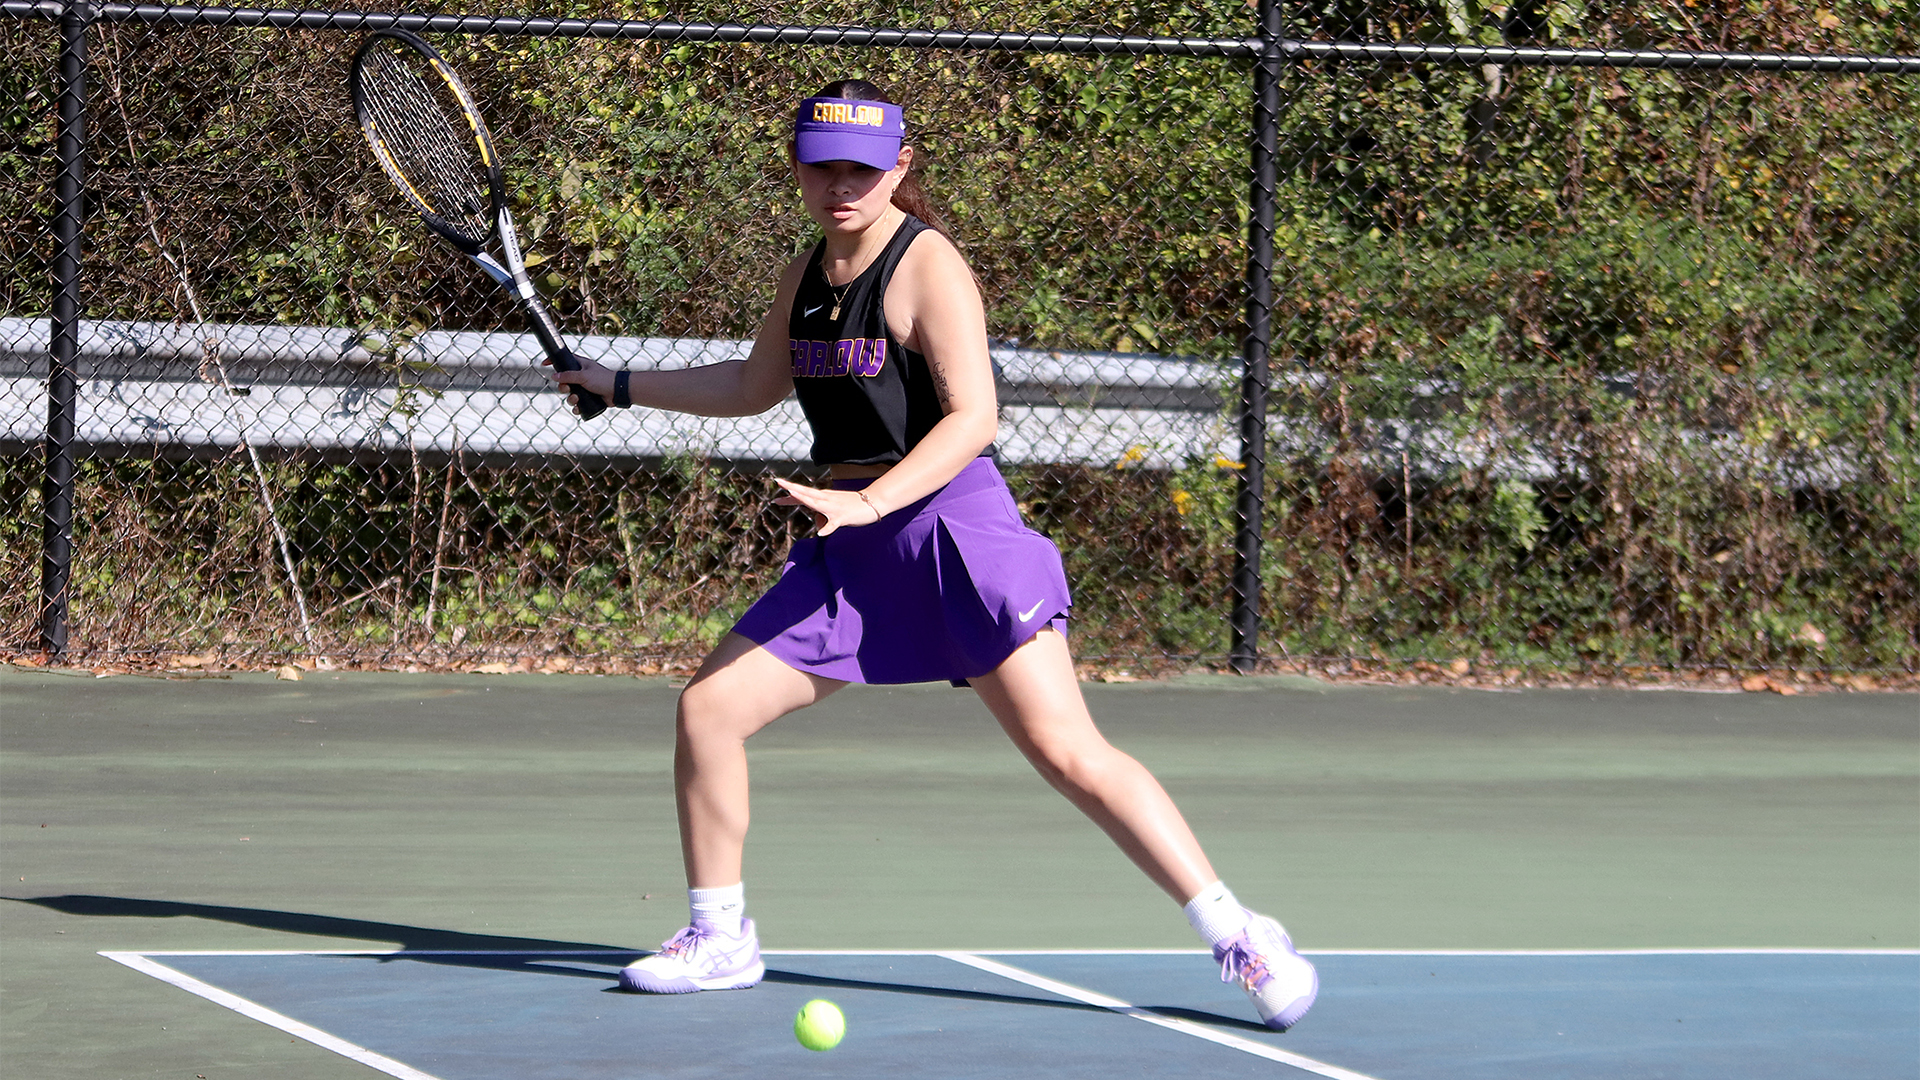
945, 588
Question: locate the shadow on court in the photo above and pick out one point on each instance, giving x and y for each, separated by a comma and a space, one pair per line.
531, 956
410, 938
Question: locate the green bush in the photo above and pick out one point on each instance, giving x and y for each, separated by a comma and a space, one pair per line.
1572, 366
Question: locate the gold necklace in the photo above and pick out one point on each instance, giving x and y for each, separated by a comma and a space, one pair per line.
838, 292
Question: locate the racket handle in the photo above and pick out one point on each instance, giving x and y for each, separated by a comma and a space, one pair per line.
591, 404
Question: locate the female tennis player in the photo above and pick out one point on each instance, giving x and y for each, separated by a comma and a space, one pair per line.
920, 568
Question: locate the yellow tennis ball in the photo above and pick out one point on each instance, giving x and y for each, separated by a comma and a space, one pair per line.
819, 1025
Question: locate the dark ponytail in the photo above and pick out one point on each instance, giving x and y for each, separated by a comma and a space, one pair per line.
909, 196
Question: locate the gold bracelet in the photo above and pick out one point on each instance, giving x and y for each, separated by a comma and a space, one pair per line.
877, 515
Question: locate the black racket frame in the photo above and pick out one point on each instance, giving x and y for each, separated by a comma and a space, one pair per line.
509, 271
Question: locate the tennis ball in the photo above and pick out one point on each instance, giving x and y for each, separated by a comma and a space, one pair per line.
819, 1025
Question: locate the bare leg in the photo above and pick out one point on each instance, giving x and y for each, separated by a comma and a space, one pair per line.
740, 689
1037, 700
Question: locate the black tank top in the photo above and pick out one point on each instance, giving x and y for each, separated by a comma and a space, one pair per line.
868, 398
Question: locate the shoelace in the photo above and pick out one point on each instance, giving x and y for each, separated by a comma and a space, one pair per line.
1243, 964
683, 941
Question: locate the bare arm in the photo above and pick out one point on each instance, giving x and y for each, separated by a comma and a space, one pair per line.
935, 301
732, 388
934, 308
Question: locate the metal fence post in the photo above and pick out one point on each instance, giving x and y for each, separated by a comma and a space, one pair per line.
1249, 507
56, 561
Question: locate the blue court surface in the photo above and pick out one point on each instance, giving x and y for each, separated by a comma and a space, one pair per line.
1750, 1015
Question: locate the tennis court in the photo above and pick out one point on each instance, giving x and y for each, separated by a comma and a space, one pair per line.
437, 875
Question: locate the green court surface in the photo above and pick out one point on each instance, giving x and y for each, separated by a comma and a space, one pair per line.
475, 813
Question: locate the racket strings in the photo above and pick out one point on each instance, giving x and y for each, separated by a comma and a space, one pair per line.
438, 162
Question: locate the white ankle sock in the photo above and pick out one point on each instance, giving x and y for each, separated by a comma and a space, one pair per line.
1215, 915
724, 908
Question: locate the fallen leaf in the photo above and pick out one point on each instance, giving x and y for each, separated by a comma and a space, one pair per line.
1460, 666
1811, 635
1753, 684
498, 667
287, 672
192, 660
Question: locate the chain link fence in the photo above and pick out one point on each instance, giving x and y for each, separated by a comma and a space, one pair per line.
1567, 365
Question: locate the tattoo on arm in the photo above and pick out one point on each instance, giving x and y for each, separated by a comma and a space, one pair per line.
940, 387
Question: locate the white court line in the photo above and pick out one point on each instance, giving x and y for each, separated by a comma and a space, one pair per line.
255, 1011
1184, 1027
383, 952
985, 952
1710, 951
643, 952
1728, 951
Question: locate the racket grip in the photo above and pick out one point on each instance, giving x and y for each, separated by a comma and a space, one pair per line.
591, 404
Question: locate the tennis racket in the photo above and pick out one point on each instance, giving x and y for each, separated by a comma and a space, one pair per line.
428, 135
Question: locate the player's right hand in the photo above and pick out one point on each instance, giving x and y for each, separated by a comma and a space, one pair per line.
591, 377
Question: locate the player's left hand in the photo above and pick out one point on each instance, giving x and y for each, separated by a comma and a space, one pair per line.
830, 508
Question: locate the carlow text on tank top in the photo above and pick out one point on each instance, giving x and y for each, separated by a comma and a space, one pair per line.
848, 356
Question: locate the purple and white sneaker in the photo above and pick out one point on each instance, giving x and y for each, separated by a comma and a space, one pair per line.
1262, 960
699, 958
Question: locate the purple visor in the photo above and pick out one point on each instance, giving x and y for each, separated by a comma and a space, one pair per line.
839, 129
